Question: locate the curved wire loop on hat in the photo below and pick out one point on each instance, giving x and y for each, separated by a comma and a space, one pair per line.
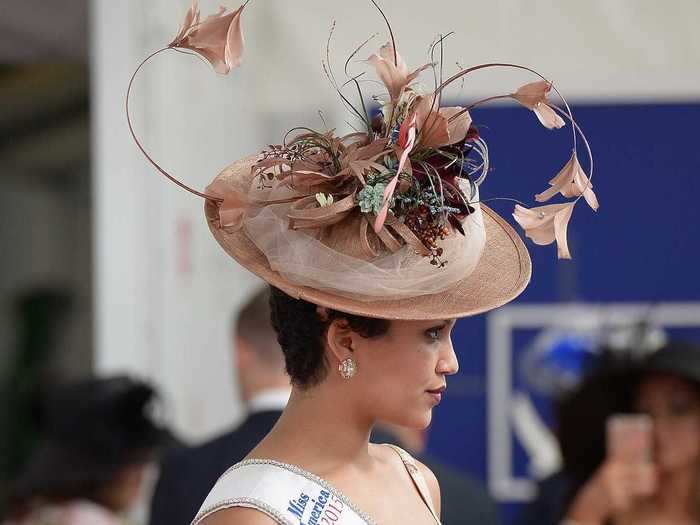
389, 213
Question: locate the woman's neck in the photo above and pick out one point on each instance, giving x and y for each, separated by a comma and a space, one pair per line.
319, 428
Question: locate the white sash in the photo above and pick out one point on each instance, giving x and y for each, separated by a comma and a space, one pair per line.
286, 493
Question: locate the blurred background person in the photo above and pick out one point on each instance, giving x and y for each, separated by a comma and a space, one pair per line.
600, 483
88, 468
188, 474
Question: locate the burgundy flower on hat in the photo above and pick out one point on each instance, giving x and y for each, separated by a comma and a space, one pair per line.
546, 224
534, 96
218, 38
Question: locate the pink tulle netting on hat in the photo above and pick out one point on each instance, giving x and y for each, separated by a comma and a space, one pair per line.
304, 259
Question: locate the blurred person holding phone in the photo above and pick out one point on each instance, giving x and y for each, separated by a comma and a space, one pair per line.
99, 437
651, 474
630, 440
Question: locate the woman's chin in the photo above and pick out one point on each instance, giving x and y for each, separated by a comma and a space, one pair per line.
415, 419
418, 421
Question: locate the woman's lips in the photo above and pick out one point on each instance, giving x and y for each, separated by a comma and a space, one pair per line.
436, 393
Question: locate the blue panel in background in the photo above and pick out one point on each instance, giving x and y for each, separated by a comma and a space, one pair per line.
641, 246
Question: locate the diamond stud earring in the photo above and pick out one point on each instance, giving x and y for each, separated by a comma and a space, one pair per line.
347, 368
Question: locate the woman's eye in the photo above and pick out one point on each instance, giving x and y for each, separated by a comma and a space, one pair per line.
433, 334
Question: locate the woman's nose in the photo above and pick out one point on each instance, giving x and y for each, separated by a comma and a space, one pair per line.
448, 364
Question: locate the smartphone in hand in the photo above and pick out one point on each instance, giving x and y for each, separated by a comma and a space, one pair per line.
629, 438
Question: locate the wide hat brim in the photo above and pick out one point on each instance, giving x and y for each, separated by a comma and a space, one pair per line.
501, 274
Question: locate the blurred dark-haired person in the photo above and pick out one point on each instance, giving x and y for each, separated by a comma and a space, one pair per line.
187, 475
606, 481
88, 468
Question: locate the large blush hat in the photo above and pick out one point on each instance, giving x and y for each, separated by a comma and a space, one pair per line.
385, 222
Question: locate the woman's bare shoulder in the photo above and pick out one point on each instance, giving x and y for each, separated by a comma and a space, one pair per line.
433, 485
430, 479
238, 516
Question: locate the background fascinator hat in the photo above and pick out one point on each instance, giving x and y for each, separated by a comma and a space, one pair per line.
385, 221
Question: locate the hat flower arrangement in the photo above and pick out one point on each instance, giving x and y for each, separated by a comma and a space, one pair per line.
390, 211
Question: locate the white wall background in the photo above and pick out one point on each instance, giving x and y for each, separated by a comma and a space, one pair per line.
164, 290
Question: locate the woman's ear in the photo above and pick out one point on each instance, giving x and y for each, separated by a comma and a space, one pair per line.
339, 340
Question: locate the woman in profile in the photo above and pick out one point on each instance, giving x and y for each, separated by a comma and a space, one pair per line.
394, 371
88, 468
374, 244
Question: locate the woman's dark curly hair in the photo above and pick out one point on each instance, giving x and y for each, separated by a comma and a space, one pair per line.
300, 333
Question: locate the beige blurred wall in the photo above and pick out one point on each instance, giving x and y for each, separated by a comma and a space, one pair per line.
45, 266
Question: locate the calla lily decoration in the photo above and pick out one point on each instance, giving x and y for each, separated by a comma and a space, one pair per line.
571, 181
546, 224
534, 96
218, 38
394, 74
